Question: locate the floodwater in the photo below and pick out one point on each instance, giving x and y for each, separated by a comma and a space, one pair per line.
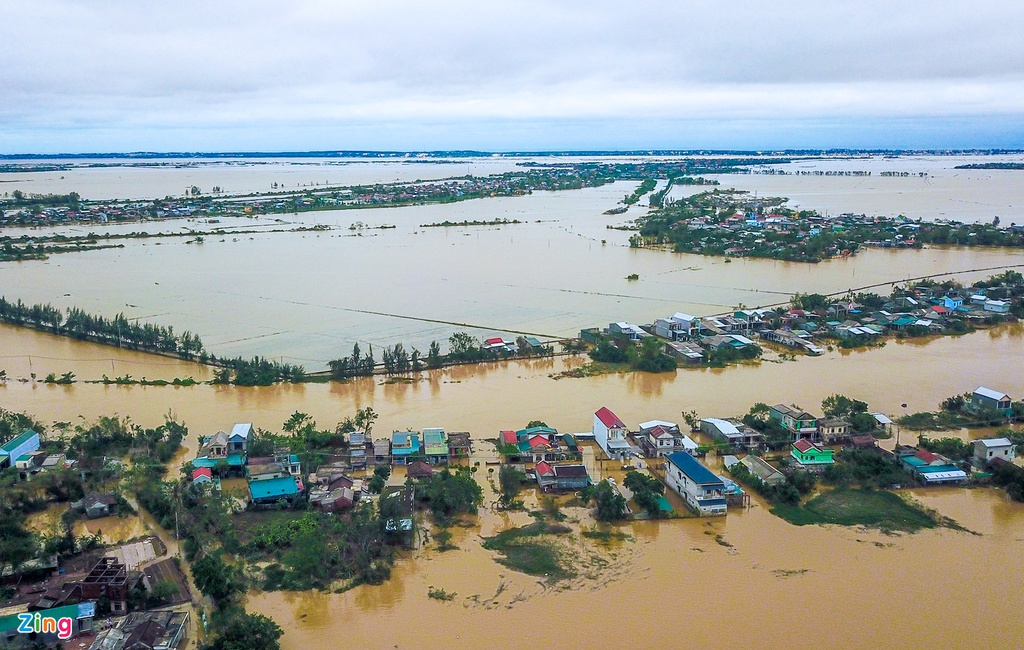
306, 298
295, 296
968, 195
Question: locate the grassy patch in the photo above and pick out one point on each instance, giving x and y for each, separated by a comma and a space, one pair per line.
607, 536
885, 511
531, 550
440, 594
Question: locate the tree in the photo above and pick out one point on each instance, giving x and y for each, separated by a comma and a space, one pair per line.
17, 544
379, 479
364, 419
535, 423
453, 492
511, 482
647, 491
216, 579
611, 506
691, 419
242, 631
434, 355
841, 406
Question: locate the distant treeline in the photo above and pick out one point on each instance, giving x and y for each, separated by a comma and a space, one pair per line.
462, 348
21, 200
118, 331
993, 165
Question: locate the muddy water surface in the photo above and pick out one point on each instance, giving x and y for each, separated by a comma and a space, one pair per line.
866, 589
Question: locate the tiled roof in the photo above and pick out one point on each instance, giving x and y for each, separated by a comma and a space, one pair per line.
609, 419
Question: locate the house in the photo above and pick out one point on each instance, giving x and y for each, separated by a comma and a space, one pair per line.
798, 422
702, 491
677, 327
863, 441
760, 468
987, 449
270, 490
832, 430
626, 332
435, 446
809, 455
419, 469
357, 450
735, 434
459, 445
29, 464
997, 306
561, 477
96, 505
610, 433
952, 303
15, 448
203, 476
930, 468
686, 352
991, 399
220, 450
382, 452
152, 630
658, 439
109, 579
405, 446
238, 439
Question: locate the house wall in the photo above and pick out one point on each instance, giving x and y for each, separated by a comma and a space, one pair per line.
690, 491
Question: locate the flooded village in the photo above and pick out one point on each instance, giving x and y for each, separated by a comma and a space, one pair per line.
831, 449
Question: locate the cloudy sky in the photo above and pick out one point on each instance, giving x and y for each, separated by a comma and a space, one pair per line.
112, 75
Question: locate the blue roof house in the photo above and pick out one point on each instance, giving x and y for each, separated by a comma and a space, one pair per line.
405, 446
702, 491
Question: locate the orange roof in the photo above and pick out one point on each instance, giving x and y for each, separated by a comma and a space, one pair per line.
543, 469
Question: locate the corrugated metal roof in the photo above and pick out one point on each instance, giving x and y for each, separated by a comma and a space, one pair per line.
283, 486
15, 442
724, 426
991, 394
689, 465
995, 442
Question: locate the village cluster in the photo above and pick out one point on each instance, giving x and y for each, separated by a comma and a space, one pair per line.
124, 576
920, 311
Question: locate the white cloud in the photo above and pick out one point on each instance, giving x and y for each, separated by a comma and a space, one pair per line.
241, 66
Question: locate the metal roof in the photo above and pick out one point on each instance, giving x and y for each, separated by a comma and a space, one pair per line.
15, 442
242, 430
690, 466
995, 442
724, 426
273, 487
991, 394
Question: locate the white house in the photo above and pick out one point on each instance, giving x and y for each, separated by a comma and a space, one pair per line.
987, 450
702, 491
997, 306
610, 433
238, 439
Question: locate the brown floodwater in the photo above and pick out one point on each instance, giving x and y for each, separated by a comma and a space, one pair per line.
749, 579
308, 297
863, 588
